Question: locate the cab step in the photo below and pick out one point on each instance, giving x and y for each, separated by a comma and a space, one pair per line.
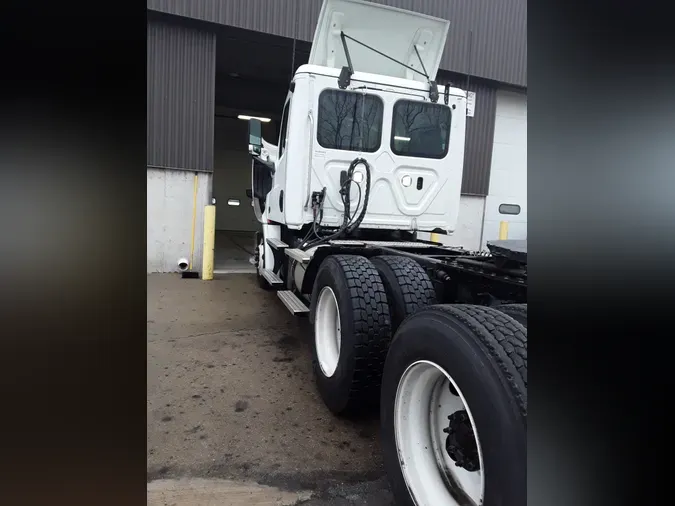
298, 254
271, 278
292, 303
276, 243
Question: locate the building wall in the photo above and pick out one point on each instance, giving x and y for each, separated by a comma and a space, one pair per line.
479, 216
479, 133
181, 78
487, 38
469, 225
467, 234
479, 138
508, 179
180, 107
169, 218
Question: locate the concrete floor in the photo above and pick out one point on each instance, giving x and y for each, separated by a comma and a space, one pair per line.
233, 251
232, 404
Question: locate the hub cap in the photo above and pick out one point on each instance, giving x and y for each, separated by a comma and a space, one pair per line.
436, 439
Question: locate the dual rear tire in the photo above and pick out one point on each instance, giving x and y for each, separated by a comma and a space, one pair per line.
352, 330
445, 428
357, 306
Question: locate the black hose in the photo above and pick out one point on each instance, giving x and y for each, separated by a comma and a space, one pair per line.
349, 225
350, 174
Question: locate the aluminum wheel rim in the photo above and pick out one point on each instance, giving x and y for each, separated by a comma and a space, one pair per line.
431, 476
327, 332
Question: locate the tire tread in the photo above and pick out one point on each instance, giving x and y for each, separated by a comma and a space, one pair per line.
517, 311
372, 328
505, 340
416, 287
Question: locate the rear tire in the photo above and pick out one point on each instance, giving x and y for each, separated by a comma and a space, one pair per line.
516, 311
352, 330
407, 284
484, 353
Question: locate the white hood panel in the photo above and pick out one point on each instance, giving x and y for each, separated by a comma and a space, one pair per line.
390, 30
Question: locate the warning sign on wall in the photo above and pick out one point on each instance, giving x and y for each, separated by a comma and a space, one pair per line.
470, 103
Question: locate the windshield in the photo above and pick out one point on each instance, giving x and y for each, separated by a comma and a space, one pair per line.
420, 129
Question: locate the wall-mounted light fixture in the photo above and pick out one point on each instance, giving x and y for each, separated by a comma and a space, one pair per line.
245, 117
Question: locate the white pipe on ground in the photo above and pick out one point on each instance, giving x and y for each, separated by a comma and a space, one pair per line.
183, 264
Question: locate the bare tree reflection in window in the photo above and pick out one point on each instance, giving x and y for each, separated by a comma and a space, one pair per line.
420, 129
349, 121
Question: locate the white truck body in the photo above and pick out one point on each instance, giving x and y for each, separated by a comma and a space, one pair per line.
415, 148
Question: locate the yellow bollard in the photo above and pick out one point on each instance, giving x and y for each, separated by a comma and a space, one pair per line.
209, 242
503, 230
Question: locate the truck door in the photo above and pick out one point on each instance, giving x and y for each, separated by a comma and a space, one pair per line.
276, 198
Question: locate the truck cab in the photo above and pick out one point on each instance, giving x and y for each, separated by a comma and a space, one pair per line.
368, 92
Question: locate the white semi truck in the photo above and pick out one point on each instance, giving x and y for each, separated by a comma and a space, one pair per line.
370, 152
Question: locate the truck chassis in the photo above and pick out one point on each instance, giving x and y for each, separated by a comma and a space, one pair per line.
437, 336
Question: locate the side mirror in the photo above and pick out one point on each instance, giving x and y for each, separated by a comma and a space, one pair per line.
254, 136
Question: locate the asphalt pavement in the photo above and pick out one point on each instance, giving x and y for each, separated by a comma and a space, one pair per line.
233, 411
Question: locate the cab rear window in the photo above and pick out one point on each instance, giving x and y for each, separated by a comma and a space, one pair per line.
349, 121
420, 129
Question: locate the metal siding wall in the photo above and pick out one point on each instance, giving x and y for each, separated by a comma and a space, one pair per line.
480, 131
499, 27
276, 17
181, 97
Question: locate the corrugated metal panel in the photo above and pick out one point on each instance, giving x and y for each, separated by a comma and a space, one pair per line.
276, 17
487, 37
480, 131
181, 96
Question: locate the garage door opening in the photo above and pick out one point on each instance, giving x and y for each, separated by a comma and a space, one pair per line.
245, 86
236, 223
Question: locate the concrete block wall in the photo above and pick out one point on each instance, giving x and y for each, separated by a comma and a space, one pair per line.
169, 217
469, 228
469, 225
